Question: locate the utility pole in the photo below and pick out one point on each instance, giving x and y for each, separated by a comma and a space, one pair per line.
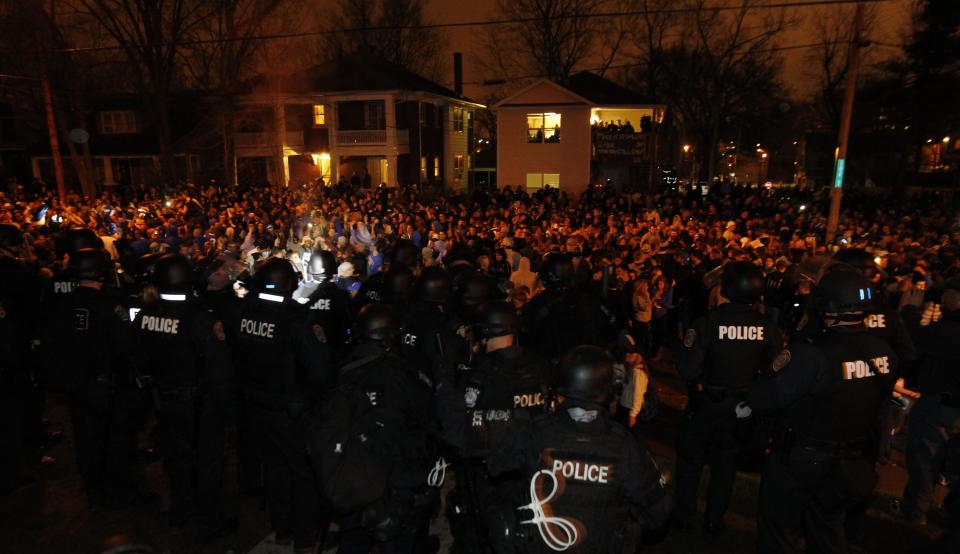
54, 140
853, 63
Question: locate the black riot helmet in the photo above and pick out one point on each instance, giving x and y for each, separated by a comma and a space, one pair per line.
433, 286
473, 290
498, 319
77, 238
276, 276
858, 259
89, 264
586, 374
145, 266
323, 265
10, 236
173, 274
844, 294
557, 271
376, 323
405, 253
398, 283
742, 282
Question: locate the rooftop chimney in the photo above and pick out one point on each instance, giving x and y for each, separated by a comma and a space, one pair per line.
458, 73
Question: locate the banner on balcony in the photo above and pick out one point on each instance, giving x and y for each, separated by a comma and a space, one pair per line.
620, 147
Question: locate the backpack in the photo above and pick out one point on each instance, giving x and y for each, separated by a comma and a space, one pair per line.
352, 443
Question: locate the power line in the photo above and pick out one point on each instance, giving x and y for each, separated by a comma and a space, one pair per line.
638, 64
492, 22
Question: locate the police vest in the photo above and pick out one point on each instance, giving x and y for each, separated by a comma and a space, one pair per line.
500, 391
737, 346
589, 466
168, 343
264, 353
857, 378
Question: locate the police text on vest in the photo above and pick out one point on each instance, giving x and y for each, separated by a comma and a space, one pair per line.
257, 328
859, 369
582, 471
741, 332
159, 324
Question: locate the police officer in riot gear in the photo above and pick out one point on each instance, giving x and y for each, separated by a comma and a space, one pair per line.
87, 355
506, 387
564, 313
17, 287
282, 362
329, 305
403, 253
588, 485
722, 354
72, 240
829, 393
935, 418
398, 287
882, 322
472, 291
400, 399
186, 355
426, 326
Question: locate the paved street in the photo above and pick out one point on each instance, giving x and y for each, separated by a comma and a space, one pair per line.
51, 515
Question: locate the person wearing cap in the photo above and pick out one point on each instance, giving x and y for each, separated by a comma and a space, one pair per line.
935, 418
600, 488
827, 394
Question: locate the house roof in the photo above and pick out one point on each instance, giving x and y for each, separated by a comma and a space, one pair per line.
602, 92
358, 72
587, 88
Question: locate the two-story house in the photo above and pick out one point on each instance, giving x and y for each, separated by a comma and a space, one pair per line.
570, 135
361, 117
122, 141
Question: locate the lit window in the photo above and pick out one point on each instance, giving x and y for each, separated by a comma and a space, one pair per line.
423, 167
540, 180
319, 118
436, 166
543, 127
458, 167
458, 119
118, 123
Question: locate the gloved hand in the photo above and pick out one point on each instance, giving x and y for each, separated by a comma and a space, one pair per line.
743, 410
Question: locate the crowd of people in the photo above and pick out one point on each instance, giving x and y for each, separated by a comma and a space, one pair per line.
455, 322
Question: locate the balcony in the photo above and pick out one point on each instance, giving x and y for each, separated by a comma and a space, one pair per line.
361, 138
294, 139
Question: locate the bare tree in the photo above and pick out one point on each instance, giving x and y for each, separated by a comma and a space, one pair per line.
150, 34
221, 52
30, 30
548, 38
720, 68
649, 42
828, 62
388, 29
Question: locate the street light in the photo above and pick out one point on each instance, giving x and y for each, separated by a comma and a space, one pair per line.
946, 140
686, 148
